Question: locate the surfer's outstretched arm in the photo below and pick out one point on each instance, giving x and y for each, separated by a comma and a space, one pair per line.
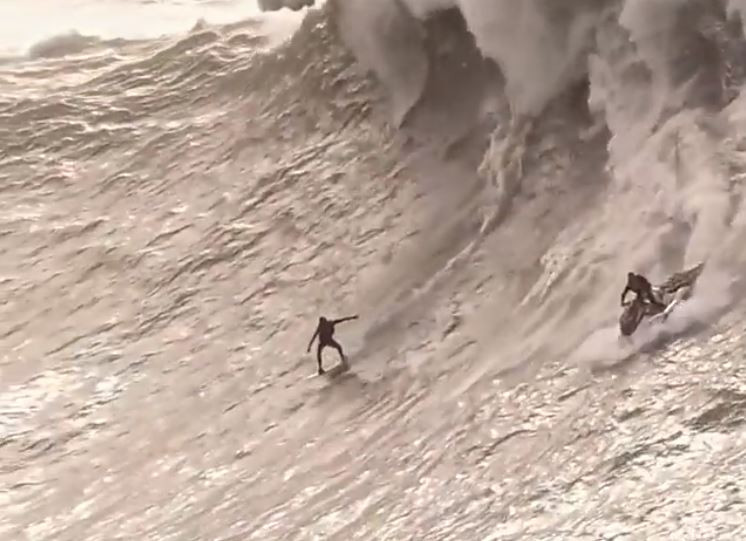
315, 334
343, 319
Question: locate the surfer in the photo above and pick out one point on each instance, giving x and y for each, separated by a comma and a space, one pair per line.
640, 285
325, 332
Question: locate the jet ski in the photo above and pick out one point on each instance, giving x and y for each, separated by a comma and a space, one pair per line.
677, 288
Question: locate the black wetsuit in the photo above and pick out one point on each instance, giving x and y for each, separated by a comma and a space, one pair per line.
640, 285
325, 332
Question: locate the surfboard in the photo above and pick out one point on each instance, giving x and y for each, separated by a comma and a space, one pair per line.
333, 372
337, 370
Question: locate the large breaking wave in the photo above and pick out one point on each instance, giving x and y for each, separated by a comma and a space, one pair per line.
622, 113
474, 178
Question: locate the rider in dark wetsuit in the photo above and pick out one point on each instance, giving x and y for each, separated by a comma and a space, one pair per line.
325, 332
640, 285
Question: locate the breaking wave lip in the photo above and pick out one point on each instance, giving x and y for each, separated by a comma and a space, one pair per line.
74, 43
9, 59
67, 44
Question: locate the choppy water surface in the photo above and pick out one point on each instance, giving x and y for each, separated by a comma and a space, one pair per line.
187, 186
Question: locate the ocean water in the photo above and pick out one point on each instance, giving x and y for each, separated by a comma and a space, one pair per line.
187, 186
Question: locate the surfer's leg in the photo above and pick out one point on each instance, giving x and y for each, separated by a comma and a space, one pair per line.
333, 343
318, 356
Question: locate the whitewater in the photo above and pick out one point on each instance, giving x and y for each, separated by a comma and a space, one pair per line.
187, 185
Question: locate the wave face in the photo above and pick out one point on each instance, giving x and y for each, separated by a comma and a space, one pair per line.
474, 178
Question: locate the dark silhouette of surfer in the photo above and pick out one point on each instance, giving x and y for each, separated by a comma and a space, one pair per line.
325, 332
640, 285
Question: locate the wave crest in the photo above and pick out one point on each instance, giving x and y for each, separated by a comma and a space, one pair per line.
63, 45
